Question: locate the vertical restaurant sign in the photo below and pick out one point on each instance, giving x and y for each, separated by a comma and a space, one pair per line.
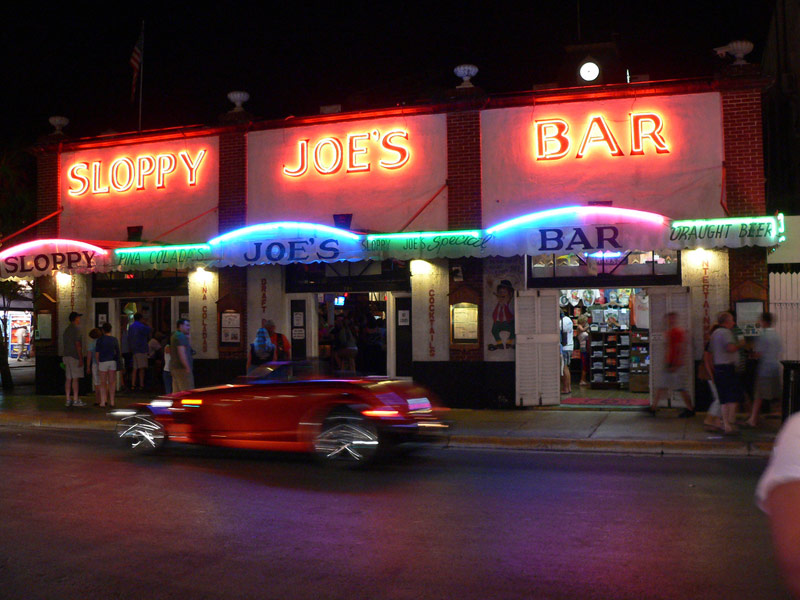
43, 257
647, 150
380, 171
105, 190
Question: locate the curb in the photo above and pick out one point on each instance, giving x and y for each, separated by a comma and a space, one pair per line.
649, 447
652, 447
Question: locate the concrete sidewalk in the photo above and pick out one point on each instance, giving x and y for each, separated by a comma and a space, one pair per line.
556, 429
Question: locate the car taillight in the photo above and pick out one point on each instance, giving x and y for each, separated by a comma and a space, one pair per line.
380, 412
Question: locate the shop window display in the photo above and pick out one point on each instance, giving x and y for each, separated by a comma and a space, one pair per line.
617, 347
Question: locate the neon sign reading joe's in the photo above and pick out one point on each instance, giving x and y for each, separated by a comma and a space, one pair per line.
127, 173
553, 140
330, 154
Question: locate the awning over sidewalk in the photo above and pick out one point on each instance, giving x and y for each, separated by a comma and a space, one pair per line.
565, 230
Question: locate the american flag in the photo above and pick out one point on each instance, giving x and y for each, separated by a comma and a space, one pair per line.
136, 62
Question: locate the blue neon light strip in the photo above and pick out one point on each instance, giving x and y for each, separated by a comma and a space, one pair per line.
264, 227
611, 211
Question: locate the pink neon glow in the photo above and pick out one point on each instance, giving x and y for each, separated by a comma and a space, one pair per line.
580, 211
27, 246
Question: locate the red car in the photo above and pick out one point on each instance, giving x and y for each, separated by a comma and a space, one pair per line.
343, 421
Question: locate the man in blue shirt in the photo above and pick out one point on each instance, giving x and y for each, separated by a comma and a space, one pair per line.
138, 337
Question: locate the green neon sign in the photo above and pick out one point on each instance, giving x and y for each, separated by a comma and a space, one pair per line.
139, 249
422, 234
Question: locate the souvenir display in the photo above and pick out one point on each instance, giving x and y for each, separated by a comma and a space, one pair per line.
564, 300
588, 297
574, 297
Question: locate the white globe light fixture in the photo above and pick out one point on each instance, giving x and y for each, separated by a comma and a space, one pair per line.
589, 70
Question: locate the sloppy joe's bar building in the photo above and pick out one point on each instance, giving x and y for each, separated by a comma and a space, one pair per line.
462, 224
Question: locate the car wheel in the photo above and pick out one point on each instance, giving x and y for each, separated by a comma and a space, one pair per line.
141, 434
347, 440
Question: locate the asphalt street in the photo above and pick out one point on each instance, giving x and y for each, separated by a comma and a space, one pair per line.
83, 519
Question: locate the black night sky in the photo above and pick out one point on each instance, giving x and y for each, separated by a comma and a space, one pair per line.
293, 57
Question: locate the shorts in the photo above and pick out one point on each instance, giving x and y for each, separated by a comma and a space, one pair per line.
182, 381
73, 367
140, 360
95, 375
768, 387
107, 365
566, 358
728, 384
673, 381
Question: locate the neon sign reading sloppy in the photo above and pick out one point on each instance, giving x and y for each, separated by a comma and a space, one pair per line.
330, 154
553, 141
126, 173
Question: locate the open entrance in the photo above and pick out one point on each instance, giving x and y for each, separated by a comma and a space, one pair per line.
352, 331
607, 336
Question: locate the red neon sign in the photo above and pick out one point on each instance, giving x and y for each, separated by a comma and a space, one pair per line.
329, 154
121, 174
552, 140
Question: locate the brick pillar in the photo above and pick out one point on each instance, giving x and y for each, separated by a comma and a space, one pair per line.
464, 211
744, 183
48, 201
232, 215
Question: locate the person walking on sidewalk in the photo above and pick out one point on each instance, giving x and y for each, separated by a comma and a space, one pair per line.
725, 352
138, 337
768, 381
181, 364
92, 367
73, 359
567, 345
673, 378
109, 361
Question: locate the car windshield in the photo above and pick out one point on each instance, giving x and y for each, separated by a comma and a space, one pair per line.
288, 371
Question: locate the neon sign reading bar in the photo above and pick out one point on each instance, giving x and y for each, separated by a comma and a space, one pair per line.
330, 154
126, 173
553, 140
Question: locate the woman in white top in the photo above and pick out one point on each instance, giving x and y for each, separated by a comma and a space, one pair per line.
167, 375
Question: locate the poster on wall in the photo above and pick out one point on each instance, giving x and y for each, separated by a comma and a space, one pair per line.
502, 278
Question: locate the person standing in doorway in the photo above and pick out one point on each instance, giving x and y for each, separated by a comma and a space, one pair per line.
583, 346
109, 361
725, 352
138, 337
768, 381
283, 349
673, 378
22, 340
567, 345
73, 359
181, 363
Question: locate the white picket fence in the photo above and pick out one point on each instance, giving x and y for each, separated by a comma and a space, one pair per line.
784, 293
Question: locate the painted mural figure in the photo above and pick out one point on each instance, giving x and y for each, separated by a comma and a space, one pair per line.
503, 316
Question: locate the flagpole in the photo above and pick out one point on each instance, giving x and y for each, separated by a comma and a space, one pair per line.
141, 79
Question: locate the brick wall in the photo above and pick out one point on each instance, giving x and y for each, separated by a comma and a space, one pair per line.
232, 180
464, 208
464, 170
745, 185
232, 215
47, 197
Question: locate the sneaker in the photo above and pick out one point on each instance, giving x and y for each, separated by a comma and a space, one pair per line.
79, 403
68, 404
686, 414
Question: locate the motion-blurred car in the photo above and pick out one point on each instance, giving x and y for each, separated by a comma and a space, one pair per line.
281, 406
